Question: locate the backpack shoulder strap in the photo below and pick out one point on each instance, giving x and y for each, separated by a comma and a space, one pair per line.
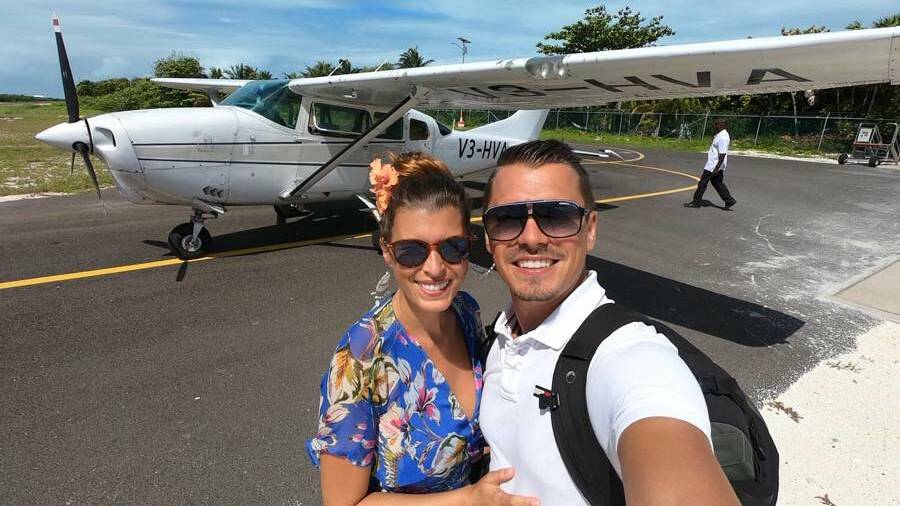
585, 460
484, 347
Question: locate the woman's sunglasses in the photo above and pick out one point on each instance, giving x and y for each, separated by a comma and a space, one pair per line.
413, 252
555, 218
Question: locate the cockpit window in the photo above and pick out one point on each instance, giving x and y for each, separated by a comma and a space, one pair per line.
282, 107
253, 93
338, 120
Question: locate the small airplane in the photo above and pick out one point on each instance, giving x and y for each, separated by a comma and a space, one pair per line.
289, 142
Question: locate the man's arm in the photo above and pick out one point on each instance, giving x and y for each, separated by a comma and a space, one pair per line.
666, 461
719, 163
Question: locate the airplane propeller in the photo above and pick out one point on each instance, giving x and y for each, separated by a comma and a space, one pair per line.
71, 96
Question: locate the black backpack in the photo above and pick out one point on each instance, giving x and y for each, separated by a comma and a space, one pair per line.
741, 441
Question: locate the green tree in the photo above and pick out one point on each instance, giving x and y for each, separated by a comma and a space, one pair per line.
178, 65
242, 71
216, 73
801, 31
887, 21
293, 75
855, 25
601, 31
319, 69
412, 58
263, 75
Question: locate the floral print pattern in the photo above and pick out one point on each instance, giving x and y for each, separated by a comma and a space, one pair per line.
384, 404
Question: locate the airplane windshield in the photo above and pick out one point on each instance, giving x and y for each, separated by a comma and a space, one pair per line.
272, 100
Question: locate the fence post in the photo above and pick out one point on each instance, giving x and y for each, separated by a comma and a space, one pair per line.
557, 119
703, 134
756, 139
620, 122
822, 136
658, 125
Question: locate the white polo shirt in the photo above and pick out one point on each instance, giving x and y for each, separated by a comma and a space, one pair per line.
719, 146
636, 373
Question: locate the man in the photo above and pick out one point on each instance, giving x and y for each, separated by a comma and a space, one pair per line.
645, 406
714, 170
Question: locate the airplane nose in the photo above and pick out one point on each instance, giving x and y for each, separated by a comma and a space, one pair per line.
65, 135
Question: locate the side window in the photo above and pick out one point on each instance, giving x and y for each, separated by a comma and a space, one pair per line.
395, 131
418, 130
338, 120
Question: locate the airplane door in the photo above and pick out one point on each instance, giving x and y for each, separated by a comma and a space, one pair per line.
421, 136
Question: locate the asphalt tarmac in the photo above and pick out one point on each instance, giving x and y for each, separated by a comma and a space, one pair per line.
199, 383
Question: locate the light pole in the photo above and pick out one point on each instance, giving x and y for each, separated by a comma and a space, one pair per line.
463, 44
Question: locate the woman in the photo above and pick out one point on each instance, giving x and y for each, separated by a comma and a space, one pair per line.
399, 407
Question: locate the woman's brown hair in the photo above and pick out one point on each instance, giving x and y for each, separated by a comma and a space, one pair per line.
424, 182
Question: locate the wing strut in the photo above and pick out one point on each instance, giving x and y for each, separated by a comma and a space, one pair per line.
416, 95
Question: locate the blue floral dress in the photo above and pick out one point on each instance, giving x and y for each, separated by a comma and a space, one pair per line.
384, 404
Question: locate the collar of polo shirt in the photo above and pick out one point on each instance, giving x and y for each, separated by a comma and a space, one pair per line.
558, 328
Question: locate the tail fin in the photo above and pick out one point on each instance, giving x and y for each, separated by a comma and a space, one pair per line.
524, 125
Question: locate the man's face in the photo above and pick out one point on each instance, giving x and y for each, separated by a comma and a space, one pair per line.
720, 126
538, 268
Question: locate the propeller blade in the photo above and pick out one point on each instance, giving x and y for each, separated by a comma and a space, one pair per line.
67, 79
72, 167
83, 149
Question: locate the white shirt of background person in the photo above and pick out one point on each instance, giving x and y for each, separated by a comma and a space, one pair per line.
720, 144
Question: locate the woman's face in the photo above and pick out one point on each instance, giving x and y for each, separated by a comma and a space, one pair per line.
429, 287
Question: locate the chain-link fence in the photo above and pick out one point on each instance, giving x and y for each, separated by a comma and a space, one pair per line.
828, 133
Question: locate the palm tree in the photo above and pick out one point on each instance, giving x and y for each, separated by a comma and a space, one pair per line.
263, 74
887, 21
321, 68
412, 58
215, 73
241, 71
293, 75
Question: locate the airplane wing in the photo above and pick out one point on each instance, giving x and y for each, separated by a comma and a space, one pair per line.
222, 86
738, 67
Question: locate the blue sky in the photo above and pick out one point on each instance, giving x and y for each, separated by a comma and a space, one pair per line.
124, 37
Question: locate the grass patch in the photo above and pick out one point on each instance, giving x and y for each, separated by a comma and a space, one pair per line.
776, 145
30, 166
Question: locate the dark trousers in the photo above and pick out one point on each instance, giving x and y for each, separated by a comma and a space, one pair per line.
718, 182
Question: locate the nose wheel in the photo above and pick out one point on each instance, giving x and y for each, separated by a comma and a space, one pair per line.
190, 240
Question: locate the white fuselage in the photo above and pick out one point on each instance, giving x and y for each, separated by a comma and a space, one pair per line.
229, 155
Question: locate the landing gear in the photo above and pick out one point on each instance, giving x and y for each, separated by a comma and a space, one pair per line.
283, 212
191, 240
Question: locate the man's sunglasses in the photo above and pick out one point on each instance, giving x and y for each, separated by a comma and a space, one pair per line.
413, 252
555, 218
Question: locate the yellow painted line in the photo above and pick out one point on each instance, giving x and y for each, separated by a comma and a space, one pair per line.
94, 273
645, 195
275, 247
165, 263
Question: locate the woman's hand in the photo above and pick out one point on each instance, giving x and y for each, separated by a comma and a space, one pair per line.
487, 491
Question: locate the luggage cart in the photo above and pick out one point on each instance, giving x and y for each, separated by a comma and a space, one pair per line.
869, 146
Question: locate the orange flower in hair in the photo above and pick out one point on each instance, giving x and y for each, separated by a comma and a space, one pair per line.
383, 178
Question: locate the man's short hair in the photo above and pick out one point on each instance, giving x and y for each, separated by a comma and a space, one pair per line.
539, 153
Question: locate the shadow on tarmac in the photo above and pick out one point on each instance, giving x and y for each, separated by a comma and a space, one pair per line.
674, 302
664, 299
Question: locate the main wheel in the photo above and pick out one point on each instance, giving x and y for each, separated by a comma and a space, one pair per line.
182, 245
873, 161
842, 158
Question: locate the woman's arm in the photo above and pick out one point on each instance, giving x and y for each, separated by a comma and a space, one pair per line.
344, 484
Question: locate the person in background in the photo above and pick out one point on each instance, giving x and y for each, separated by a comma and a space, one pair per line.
714, 170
